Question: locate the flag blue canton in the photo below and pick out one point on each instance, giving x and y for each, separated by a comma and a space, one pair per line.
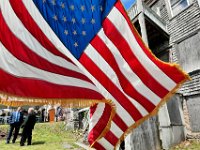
75, 22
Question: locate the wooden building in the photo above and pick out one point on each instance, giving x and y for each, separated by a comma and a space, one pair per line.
171, 28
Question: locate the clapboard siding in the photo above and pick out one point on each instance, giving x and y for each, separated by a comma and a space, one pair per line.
162, 9
188, 53
192, 87
183, 29
184, 23
184, 45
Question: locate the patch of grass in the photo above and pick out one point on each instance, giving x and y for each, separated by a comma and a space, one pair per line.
188, 145
46, 136
3, 128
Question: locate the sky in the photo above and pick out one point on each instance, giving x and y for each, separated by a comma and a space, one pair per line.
127, 3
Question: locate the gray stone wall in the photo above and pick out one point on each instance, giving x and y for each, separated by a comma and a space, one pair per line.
193, 103
187, 118
174, 111
144, 137
171, 123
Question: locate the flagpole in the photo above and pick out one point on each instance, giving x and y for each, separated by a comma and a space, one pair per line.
141, 20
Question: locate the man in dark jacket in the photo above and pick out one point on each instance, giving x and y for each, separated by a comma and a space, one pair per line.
15, 122
28, 126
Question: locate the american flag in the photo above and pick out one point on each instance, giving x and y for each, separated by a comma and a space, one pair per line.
82, 52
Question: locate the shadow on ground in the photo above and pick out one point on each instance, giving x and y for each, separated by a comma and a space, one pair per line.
38, 143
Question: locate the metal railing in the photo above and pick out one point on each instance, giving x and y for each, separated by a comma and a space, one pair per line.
133, 13
4, 119
153, 16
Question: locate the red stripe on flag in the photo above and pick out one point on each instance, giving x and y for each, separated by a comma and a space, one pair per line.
172, 72
92, 110
23, 53
100, 126
97, 146
33, 28
111, 138
119, 122
113, 90
104, 51
30, 87
114, 35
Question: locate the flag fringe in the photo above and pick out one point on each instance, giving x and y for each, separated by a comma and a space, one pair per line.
155, 111
165, 99
136, 33
11, 100
139, 122
15, 101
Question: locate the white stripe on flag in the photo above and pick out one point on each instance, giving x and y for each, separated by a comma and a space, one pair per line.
27, 38
105, 67
21, 69
107, 145
96, 116
133, 79
116, 130
125, 31
123, 113
46, 29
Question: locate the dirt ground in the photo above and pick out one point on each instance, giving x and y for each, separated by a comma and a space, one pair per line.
2, 135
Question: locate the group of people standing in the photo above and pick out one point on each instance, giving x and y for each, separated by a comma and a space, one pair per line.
17, 121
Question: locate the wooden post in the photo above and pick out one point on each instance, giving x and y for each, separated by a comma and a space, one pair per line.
141, 20
51, 115
163, 110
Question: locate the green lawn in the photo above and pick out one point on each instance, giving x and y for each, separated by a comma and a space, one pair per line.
53, 136
46, 136
188, 145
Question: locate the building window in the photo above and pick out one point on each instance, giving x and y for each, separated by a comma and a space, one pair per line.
199, 2
178, 5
